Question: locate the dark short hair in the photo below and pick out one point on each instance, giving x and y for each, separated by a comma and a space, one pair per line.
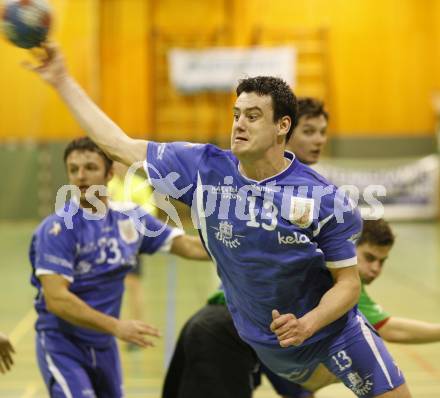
283, 99
86, 144
311, 107
376, 232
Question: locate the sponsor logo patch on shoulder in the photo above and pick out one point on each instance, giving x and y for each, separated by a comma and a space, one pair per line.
127, 231
301, 211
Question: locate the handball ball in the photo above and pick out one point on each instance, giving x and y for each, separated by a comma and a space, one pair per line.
26, 22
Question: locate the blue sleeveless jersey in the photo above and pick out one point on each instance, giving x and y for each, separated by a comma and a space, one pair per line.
94, 255
272, 240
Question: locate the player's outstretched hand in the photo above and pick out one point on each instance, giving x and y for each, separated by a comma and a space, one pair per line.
288, 329
51, 66
6, 351
133, 331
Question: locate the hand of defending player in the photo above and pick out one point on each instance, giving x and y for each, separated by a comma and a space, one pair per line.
6, 351
289, 329
51, 66
133, 331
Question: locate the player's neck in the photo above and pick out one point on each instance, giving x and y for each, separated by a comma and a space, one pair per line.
263, 168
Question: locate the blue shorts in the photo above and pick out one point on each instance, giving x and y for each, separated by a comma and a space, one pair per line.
356, 355
74, 370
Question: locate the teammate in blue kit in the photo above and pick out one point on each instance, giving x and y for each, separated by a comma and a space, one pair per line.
80, 256
282, 237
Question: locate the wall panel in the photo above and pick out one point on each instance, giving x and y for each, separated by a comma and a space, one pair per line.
28, 108
125, 64
383, 62
380, 59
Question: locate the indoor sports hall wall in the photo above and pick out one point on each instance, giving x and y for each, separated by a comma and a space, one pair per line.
374, 62
28, 109
382, 62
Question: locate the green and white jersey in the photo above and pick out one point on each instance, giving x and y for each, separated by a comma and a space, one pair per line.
372, 311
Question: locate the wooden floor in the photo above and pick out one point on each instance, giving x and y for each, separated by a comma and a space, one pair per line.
174, 289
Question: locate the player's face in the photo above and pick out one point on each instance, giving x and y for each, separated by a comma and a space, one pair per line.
86, 168
308, 139
371, 259
253, 128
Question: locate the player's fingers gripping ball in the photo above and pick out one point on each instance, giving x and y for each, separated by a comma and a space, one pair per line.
26, 23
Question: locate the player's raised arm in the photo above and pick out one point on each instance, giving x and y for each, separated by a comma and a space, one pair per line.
100, 128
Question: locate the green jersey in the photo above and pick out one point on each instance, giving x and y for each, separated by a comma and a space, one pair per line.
218, 298
372, 311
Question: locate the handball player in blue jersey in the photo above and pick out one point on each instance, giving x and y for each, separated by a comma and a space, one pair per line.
282, 237
209, 357
80, 257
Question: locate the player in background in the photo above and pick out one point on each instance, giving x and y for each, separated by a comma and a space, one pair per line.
373, 249
310, 135
80, 256
6, 351
297, 332
133, 189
